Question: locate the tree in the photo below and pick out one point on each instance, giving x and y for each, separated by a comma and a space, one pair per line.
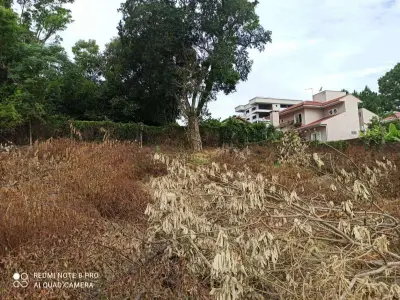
208, 41
80, 97
6, 3
149, 41
10, 51
33, 81
87, 57
45, 18
370, 100
389, 88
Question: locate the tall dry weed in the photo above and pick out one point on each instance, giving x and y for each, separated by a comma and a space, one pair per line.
246, 236
60, 202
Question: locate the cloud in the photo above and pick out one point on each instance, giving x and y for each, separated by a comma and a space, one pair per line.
93, 19
331, 43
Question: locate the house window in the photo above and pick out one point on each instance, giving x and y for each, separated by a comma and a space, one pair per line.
333, 111
254, 108
297, 118
254, 117
316, 136
247, 111
248, 119
354, 132
265, 106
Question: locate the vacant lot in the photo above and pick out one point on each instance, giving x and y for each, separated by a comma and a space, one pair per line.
276, 222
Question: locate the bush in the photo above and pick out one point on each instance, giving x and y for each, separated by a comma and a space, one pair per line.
393, 134
213, 132
238, 132
378, 134
374, 136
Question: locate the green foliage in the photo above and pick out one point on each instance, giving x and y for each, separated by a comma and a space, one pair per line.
10, 43
393, 134
45, 18
9, 116
340, 145
211, 123
237, 132
33, 75
375, 121
88, 59
370, 100
379, 133
374, 135
6, 3
389, 87
190, 50
140, 65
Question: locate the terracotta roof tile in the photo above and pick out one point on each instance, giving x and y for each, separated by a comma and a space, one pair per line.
395, 116
312, 103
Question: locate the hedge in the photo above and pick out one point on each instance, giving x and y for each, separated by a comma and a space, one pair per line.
231, 131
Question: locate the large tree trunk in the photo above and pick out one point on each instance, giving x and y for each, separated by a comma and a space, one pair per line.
194, 133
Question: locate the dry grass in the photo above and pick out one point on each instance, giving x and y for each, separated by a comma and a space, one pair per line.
60, 197
70, 206
304, 229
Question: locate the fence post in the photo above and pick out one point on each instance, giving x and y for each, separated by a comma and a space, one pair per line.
141, 135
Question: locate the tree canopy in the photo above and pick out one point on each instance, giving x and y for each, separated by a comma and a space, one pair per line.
389, 88
201, 45
370, 100
171, 58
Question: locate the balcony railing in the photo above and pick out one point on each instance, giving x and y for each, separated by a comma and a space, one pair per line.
261, 120
287, 123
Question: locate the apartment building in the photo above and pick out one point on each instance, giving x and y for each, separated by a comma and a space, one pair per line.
331, 116
260, 109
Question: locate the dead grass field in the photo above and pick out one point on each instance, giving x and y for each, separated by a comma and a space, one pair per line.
68, 206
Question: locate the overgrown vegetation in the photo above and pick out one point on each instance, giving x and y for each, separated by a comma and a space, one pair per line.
141, 76
275, 242
379, 133
227, 222
231, 132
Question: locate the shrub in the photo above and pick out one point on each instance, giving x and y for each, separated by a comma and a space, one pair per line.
393, 134
374, 136
378, 134
239, 133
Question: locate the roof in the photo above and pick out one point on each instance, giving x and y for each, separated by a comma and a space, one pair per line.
312, 104
317, 122
395, 116
265, 100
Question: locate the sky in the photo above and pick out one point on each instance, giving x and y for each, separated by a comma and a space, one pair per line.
334, 44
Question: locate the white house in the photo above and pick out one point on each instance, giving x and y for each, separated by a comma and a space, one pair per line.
331, 116
260, 109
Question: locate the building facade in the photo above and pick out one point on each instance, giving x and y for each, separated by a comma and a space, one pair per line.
266, 110
331, 116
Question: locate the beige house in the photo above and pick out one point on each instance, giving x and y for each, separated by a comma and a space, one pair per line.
331, 116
